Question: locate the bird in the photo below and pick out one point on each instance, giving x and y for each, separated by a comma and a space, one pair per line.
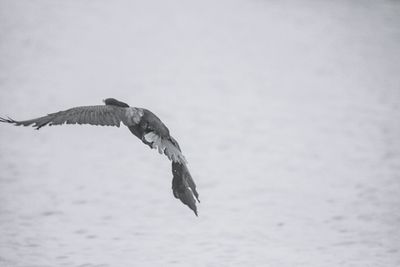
143, 123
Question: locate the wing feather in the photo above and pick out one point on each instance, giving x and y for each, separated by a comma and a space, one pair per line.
105, 115
183, 186
165, 146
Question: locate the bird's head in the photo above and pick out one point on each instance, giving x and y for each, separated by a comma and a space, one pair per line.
115, 102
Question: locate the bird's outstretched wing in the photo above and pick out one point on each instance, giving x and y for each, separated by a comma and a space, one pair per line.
183, 185
104, 115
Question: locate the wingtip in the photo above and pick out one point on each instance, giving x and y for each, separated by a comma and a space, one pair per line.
8, 120
183, 186
193, 207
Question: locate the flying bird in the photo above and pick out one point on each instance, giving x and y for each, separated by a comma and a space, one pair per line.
143, 124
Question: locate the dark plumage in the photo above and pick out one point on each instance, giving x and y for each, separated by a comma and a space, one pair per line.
115, 102
142, 123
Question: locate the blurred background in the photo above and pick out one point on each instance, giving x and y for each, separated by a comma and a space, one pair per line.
287, 111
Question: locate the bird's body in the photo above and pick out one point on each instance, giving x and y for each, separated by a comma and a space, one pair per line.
142, 123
